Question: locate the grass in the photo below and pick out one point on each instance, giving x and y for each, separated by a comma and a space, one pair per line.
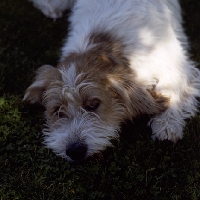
138, 168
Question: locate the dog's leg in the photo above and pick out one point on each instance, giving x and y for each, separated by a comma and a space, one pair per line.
182, 105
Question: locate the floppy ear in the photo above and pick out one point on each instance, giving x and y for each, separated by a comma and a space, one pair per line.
137, 99
44, 76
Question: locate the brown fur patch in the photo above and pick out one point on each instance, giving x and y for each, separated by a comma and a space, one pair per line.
106, 66
45, 75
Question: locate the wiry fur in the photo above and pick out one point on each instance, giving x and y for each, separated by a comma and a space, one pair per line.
123, 58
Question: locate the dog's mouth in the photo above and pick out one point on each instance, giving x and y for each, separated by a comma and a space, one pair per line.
95, 158
78, 153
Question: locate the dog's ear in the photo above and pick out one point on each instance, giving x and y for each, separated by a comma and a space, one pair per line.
44, 76
137, 99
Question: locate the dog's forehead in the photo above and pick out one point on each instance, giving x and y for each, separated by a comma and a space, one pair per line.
76, 86
91, 74
69, 75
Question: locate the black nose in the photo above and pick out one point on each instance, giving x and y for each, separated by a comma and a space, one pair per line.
76, 151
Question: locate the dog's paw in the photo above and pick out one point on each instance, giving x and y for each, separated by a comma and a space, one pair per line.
166, 129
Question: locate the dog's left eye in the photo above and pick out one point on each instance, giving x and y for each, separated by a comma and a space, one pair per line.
92, 104
59, 112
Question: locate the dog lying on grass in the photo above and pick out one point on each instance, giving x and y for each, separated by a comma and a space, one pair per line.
122, 59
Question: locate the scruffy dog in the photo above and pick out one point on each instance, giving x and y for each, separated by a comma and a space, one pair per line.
123, 58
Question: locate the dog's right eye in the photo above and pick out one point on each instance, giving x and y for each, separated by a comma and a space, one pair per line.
58, 112
92, 104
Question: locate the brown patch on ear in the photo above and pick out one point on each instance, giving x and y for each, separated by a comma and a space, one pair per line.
160, 99
44, 76
136, 99
120, 77
104, 58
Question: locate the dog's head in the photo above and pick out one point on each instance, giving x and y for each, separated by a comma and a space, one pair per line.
86, 98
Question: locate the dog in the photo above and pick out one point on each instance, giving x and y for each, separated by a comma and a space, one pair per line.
122, 59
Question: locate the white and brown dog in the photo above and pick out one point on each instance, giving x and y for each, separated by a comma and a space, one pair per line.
123, 58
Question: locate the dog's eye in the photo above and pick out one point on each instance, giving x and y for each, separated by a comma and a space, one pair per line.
62, 115
58, 112
92, 104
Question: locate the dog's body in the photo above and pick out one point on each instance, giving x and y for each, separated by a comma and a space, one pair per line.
122, 58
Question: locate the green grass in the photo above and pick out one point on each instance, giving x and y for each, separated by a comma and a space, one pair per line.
138, 168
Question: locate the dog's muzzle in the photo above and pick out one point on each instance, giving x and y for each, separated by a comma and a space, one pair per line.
76, 151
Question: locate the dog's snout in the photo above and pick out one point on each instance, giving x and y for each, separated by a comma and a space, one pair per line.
76, 151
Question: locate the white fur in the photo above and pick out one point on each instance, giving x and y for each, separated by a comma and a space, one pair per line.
155, 45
